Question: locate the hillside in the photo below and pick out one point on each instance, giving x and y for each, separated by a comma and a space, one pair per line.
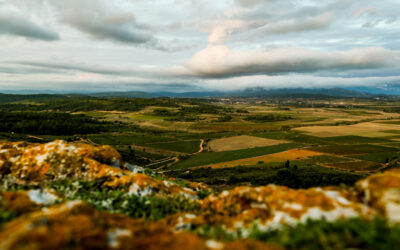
74, 195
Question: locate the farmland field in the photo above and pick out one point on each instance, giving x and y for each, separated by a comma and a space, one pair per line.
240, 142
294, 154
367, 129
223, 141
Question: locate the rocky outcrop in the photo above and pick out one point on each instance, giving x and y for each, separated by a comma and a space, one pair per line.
42, 218
382, 192
74, 224
38, 164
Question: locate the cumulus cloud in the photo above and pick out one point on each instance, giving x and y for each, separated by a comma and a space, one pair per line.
220, 61
220, 31
12, 24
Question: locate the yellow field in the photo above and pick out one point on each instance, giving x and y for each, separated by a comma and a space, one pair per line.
240, 142
368, 129
294, 154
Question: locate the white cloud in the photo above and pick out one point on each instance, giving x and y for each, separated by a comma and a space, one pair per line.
220, 61
297, 81
270, 42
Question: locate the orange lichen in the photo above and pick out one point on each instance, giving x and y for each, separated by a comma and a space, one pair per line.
79, 226
272, 206
59, 160
382, 192
75, 224
17, 202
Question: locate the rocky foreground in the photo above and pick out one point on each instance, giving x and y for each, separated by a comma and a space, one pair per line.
77, 196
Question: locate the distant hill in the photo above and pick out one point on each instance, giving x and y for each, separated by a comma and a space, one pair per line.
7, 98
127, 94
307, 93
250, 93
303, 93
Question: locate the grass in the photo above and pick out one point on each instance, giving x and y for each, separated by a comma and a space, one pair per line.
353, 233
293, 136
378, 157
139, 139
357, 166
297, 175
116, 201
392, 131
206, 158
350, 139
353, 149
178, 146
322, 159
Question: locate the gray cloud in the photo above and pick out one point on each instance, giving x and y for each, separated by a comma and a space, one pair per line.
76, 67
267, 43
220, 61
120, 27
104, 20
10, 24
250, 3
297, 25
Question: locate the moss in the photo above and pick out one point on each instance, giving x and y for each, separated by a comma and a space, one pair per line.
6, 216
355, 233
119, 201
352, 233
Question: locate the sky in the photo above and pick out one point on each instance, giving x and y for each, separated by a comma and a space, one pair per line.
198, 45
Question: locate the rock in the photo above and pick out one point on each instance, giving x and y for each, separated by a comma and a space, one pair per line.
382, 192
272, 207
78, 225
38, 164
41, 223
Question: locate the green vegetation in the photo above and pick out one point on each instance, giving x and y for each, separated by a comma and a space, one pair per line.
268, 118
297, 175
354, 233
153, 131
378, 157
343, 234
50, 123
6, 216
179, 146
225, 118
353, 149
118, 201
206, 158
354, 140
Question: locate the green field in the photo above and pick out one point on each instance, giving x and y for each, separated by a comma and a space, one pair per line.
179, 146
353, 149
147, 130
206, 158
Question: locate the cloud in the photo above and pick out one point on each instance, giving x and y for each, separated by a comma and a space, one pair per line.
220, 61
220, 31
298, 81
102, 22
360, 11
250, 3
12, 24
295, 25
84, 69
